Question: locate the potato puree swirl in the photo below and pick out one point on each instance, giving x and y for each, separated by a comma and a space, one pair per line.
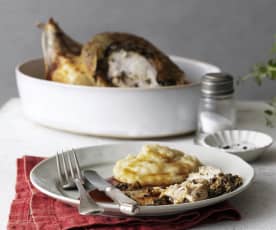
155, 165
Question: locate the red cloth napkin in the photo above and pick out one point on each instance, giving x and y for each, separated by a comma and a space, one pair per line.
33, 210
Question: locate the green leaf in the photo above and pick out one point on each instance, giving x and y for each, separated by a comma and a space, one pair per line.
268, 112
269, 123
272, 63
272, 103
262, 69
258, 79
272, 75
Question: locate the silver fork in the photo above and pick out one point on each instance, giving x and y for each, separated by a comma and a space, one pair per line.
70, 176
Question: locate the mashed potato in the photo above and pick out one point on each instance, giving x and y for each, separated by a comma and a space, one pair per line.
155, 165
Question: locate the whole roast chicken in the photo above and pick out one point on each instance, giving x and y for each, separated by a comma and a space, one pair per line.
109, 59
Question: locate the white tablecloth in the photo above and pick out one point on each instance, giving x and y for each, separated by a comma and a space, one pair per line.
19, 136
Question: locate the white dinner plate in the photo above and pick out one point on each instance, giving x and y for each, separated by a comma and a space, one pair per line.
103, 157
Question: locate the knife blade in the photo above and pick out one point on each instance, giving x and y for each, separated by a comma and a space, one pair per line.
127, 205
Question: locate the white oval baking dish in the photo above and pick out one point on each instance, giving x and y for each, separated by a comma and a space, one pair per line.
113, 112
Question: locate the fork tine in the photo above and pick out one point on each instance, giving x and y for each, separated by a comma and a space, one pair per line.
86, 204
60, 177
70, 165
77, 164
64, 167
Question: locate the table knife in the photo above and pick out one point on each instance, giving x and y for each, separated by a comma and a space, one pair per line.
127, 205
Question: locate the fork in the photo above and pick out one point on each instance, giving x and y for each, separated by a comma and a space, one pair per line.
70, 176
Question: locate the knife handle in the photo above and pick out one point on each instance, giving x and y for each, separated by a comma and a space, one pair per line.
127, 205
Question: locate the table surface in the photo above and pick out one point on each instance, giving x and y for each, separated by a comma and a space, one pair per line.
19, 136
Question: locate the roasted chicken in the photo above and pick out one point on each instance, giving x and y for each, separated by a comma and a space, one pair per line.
108, 59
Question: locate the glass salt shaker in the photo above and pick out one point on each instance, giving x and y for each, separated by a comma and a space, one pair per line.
217, 107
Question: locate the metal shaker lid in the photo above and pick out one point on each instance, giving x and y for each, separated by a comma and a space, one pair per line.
217, 84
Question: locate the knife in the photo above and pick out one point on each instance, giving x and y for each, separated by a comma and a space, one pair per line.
127, 205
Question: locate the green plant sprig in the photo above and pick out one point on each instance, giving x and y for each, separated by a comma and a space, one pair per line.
270, 114
261, 72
